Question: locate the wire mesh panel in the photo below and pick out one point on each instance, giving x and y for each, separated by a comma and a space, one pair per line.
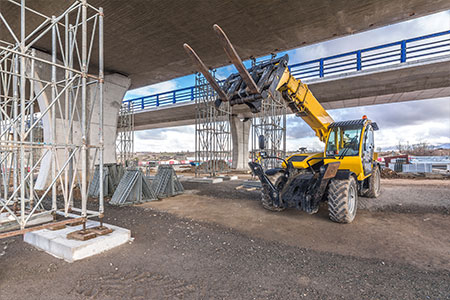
212, 131
47, 105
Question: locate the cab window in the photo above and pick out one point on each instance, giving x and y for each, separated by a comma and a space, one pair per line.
343, 141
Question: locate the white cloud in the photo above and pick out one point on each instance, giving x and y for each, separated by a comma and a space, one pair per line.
406, 122
152, 89
165, 140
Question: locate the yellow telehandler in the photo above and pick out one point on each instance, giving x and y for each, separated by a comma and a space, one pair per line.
346, 169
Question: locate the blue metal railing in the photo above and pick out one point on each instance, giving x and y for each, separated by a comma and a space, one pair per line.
427, 46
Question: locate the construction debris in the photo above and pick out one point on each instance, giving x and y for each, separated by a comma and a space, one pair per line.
166, 183
133, 188
388, 173
250, 185
112, 173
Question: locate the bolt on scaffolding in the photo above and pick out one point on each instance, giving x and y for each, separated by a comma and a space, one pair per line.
60, 93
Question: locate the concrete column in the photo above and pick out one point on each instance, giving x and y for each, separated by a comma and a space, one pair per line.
240, 130
115, 88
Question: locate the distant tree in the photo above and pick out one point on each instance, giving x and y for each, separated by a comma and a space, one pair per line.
400, 147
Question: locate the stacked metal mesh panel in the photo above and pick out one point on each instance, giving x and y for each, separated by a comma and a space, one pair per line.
112, 173
133, 188
166, 183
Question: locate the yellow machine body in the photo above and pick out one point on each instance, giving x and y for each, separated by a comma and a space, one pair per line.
345, 168
313, 113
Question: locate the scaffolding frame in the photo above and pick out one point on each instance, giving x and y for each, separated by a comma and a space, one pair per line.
125, 135
70, 94
212, 131
271, 123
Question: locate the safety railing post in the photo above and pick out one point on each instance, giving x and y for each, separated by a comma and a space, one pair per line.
174, 99
358, 60
142, 103
157, 100
403, 52
321, 73
192, 93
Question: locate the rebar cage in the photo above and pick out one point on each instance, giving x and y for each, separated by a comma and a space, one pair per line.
60, 93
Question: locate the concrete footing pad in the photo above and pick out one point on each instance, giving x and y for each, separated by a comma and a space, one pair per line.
206, 180
57, 244
227, 177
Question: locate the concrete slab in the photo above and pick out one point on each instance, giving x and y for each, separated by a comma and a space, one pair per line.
252, 183
206, 180
156, 29
55, 242
228, 178
402, 82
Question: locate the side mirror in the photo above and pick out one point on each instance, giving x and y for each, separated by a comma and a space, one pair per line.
261, 142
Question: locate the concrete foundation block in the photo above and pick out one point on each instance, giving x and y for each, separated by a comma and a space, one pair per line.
206, 180
55, 242
228, 178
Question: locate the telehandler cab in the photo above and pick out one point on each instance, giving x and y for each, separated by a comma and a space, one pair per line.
346, 168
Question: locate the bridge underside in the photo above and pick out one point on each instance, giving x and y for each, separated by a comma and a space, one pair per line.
143, 39
422, 80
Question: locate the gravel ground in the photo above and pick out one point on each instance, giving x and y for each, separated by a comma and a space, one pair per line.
203, 253
398, 195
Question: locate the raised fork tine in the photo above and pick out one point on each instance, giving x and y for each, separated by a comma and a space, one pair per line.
204, 70
236, 60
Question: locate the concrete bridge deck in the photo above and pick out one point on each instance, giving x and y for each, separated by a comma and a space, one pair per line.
419, 70
143, 39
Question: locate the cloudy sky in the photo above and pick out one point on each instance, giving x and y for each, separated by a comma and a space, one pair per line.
408, 122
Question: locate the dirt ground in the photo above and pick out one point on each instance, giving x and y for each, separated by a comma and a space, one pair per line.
217, 242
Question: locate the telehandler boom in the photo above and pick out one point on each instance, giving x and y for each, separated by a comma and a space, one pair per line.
346, 169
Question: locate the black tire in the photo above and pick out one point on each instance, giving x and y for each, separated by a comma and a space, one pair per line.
342, 200
266, 201
374, 184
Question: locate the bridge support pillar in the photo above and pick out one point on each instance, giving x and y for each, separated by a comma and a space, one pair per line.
240, 131
114, 88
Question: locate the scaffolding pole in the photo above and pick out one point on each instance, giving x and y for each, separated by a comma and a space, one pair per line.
57, 106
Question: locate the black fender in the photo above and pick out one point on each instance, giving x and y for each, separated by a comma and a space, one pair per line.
343, 174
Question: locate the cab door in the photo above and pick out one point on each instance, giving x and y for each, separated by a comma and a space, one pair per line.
368, 148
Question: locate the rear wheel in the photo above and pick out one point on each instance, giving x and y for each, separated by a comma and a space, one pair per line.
266, 201
374, 184
342, 200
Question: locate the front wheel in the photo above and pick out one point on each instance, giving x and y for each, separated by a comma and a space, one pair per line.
342, 200
374, 184
266, 200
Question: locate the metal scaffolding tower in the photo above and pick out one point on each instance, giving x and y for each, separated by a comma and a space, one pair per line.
271, 123
125, 135
62, 93
212, 131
